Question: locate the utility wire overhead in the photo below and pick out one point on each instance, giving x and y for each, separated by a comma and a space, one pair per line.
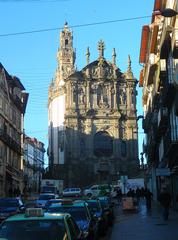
73, 26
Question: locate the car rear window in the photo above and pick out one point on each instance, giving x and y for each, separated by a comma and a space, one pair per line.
77, 213
33, 229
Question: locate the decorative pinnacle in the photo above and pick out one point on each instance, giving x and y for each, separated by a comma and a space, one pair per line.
101, 48
129, 68
114, 56
88, 55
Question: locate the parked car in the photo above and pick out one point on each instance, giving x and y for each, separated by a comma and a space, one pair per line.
57, 200
71, 192
43, 198
95, 208
10, 206
37, 225
97, 190
108, 209
81, 214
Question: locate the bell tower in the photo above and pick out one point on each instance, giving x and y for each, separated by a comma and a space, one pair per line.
66, 53
57, 97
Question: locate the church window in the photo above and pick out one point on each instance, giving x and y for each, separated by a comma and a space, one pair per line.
105, 98
132, 97
99, 93
103, 144
66, 42
123, 149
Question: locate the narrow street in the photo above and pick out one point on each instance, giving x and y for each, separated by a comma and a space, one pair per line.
143, 225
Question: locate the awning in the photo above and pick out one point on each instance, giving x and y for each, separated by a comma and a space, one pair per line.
157, 5
141, 79
144, 43
153, 47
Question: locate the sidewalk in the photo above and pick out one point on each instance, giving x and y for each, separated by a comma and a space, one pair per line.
144, 225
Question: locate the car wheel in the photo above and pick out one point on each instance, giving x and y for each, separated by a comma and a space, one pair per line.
89, 195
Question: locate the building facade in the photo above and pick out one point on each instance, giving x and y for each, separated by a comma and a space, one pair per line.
159, 56
13, 102
93, 133
33, 164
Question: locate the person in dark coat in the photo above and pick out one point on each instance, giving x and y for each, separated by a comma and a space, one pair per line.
119, 195
138, 194
148, 197
165, 200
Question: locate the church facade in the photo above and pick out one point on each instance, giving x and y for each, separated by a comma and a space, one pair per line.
93, 132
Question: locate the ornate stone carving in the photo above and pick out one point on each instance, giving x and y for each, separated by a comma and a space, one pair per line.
122, 96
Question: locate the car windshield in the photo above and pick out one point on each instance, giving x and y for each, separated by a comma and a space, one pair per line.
93, 206
9, 203
78, 213
33, 230
46, 197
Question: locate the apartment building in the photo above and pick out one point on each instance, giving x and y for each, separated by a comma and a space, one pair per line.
33, 164
13, 101
159, 79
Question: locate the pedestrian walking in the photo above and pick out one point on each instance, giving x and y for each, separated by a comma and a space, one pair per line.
138, 194
119, 196
165, 200
148, 197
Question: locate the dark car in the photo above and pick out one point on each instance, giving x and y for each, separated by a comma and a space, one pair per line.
98, 213
57, 200
81, 214
108, 209
37, 225
10, 206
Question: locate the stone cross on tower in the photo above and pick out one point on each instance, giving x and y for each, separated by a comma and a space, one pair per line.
101, 48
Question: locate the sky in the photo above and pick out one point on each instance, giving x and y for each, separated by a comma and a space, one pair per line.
32, 56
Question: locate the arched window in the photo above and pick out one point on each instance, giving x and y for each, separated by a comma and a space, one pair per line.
66, 42
103, 144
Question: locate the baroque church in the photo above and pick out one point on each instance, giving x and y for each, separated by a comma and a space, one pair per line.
92, 118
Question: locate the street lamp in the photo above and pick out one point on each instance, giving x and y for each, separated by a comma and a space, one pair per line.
169, 12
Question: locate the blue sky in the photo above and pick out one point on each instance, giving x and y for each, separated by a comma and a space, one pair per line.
32, 57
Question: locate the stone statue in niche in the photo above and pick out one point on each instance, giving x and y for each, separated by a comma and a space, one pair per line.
81, 96
122, 96
93, 89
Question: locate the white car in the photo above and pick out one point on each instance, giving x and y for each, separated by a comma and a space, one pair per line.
71, 192
95, 190
43, 198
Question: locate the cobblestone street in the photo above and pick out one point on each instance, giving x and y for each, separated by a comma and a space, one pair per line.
143, 225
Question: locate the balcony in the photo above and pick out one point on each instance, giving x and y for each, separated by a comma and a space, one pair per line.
146, 123
168, 90
171, 141
10, 142
162, 120
149, 121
